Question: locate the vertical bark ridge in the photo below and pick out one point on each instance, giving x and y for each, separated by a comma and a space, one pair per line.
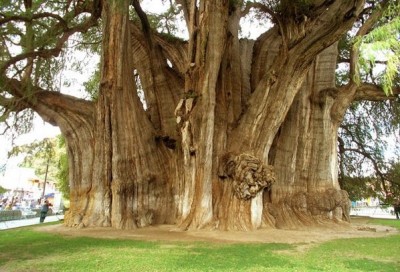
305, 152
209, 50
126, 149
290, 68
161, 84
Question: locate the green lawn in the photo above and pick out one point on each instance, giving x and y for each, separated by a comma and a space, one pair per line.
26, 249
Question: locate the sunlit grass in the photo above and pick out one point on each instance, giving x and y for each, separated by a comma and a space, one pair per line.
26, 249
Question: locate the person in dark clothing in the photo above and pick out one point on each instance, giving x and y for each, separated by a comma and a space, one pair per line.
396, 207
44, 210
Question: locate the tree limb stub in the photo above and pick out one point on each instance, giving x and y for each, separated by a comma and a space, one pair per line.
248, 173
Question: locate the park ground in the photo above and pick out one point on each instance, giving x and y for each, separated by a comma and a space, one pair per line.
359, 227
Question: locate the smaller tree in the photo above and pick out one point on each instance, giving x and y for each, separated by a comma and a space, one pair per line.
384, 185
49, 159
373, 118
393, 181
361, 187
63, 168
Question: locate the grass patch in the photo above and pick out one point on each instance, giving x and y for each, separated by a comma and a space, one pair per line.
26, 249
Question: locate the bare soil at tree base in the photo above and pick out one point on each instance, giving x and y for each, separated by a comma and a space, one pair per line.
359, 227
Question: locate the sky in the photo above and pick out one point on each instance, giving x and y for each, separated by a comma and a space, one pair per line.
40, 131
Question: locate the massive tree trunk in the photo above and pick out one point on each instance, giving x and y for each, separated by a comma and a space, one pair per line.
233, 134
211, 168
305, 156
128, 187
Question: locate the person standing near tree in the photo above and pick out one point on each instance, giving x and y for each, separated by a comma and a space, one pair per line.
44, 210
396, 206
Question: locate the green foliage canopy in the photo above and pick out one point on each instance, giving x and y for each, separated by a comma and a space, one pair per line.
369, 126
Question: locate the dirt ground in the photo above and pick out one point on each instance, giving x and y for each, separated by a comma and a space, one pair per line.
357, 228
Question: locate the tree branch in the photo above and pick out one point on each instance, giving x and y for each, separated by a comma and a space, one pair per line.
364, 29
57, 101
373, 92
275, 18
347, 93
361, 150
61, 28
11, 104
185, 10
142, 16
381, 175
19, 18
347, 60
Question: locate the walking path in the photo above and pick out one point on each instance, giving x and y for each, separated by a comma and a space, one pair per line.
28, 222
375, 212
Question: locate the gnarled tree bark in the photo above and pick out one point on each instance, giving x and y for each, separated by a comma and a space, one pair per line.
233, 134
